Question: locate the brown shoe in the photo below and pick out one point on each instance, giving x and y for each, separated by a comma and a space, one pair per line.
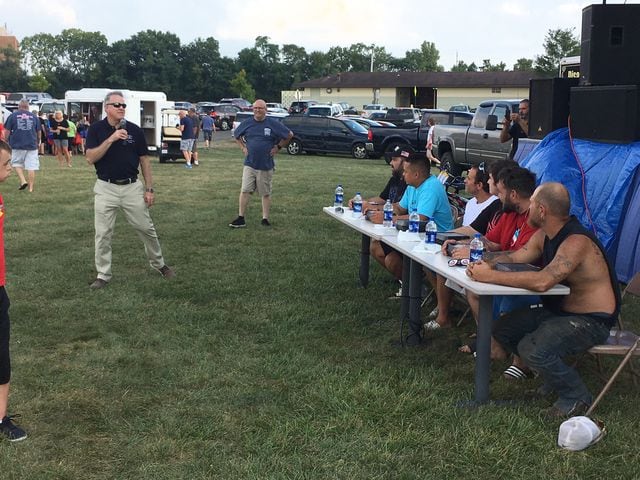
98, 283
554, 413
167, 272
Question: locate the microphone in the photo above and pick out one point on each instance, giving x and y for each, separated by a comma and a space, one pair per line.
122, 124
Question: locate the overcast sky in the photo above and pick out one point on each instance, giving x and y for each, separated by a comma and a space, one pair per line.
469, 30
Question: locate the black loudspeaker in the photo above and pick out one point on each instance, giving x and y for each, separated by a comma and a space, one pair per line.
606, 113
548, 105
610, 45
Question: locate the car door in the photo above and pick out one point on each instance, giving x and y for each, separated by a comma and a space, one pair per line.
339, 138
312, 131
482, 144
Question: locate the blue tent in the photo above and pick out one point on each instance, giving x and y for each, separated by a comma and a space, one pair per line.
604, 190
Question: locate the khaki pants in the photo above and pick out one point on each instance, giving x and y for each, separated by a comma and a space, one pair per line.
130, 199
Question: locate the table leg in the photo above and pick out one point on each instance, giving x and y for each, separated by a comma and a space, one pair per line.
483, 349
406, 282
415, 289
364, 260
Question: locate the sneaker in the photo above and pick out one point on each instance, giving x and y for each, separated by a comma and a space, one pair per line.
238, 223
98, 283
167, 272
196, 163
434, 314
187, 165
265, 223
13, 432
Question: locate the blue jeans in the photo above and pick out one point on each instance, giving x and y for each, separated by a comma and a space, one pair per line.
543, 339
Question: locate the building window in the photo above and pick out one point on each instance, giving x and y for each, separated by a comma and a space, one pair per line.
496, 90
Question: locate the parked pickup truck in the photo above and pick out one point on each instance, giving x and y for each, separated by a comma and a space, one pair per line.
385, 139
458, 147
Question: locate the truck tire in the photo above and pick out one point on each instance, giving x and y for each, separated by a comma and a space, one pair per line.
446, 163
359, 151
224, 124
294, 147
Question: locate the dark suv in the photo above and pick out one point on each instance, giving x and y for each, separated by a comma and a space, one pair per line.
326, 134
301, 106
223, 114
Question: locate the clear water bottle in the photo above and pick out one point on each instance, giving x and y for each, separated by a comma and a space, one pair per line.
339, 199
357, 205
431, 232
387, 219
477, 249
414, 221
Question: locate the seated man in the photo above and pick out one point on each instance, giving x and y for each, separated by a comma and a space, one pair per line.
484, 204
427, 195
393, 192
565, 325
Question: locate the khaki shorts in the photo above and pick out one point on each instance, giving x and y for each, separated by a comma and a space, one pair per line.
259, 180
26, 159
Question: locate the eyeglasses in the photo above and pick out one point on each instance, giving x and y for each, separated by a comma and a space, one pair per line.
460, 262
118, 105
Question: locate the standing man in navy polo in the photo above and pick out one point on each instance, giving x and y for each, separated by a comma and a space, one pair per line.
23, 130
260, 138
188, 137
117, 148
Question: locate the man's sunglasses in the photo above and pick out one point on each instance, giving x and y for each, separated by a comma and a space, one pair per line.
460, 262
118, 105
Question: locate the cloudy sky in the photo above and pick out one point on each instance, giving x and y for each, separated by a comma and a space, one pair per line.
469, 30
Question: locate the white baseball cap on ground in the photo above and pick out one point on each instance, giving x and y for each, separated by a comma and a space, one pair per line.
578, 433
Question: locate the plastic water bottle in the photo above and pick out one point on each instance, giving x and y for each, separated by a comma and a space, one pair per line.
387, 219
431, 232
339, 199
414, 221
477, 249
357, 205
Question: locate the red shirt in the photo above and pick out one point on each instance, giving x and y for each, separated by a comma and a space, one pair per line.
512, 231
2, 269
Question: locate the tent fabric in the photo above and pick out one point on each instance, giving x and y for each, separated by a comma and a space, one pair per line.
609, 172
627, 259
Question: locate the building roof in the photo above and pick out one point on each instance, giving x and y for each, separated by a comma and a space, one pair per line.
421, 79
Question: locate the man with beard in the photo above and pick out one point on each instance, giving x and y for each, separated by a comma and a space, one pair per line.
567, 325
393, 191
516, 126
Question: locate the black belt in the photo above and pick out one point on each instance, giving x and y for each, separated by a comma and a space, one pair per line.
119, 181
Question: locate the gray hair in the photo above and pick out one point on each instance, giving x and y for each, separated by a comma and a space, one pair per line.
24, 104
108, 96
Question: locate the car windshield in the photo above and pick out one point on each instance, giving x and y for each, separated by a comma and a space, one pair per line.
355, 126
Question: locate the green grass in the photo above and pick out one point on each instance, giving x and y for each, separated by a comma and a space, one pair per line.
262, 359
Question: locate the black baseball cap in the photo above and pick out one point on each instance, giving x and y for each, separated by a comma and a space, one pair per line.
404, 151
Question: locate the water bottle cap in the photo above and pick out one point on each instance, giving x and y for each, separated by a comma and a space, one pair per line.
477, 235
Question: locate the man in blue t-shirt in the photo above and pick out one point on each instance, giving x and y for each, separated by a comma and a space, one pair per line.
22, 129
260, 138
186, 142
208, 127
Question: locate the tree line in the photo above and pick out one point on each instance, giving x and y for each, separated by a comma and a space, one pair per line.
157, 61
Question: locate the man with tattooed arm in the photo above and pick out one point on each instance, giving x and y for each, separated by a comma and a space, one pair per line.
566, 325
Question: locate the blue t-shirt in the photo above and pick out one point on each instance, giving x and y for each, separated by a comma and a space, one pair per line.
260, 138
187, 132
207, 123
23, 127
430, 199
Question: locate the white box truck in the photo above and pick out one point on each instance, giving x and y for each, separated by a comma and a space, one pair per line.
143, 108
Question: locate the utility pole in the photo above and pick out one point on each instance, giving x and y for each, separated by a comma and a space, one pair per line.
372, 47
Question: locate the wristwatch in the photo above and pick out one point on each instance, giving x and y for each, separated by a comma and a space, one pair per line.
149, 190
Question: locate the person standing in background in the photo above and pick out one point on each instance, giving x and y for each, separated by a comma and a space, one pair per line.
22, 129
196, 133
516, 126
186, 142
208, 126
60, 127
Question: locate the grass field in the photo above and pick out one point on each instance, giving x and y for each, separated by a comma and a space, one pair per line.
262, 359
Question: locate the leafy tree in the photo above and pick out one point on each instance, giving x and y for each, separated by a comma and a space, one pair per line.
487, 66
204, 74
241, 87
12, 77
41, 53
557, 44
462, 66
39, 83
424, 59
523, 65
83, 53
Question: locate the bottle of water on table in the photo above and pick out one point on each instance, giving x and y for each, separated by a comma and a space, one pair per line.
357, 205
339, 199
431, 232
477, 249
387, 220
414, 221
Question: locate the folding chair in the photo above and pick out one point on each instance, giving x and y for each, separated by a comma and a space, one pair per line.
621, 342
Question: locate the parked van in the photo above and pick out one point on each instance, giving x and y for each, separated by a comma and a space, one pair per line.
143, 108
32, 97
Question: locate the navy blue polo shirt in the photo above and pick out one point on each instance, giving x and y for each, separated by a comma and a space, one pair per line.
260, 138
123, 156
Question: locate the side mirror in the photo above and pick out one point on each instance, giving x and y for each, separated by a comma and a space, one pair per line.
492, 122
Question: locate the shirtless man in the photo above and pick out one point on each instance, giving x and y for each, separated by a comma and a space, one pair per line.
565, 325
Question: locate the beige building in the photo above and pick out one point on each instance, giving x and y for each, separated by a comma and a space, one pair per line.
418, 89
7, 41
